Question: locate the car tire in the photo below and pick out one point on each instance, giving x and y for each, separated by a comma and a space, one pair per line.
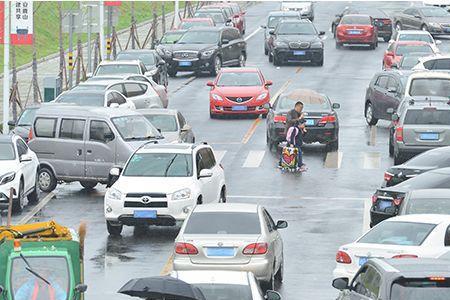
398, 26
424, 27
18, 204
46, 180
33, 197
212, 116
88, 185
372, 46
270, 143
223, 195
200, 200
114, 230
215, 68
270, 57
368, 114
387, 38
276, 60
279, 275
172, 73
241, 63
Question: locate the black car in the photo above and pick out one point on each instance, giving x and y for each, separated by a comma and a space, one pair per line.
386, 90
165, 44
322, 122
154, 63
295, 41
273, 19
426, 161
386, 201
426, 201
398, 279
208, 49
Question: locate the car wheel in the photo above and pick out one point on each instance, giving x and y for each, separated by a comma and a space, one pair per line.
333, 29
241, 60
47, 180
398, 26
223, 195
276, 60
172, 73
114, 229
88, 185
217, 66
279, 274
368, 113
18, 205
211, 115
424, 27
270, 57
33, 197
387, 38
333, 146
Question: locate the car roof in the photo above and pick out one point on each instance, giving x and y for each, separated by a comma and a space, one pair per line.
84, 93
430, 193
59, 110
422, 218
414, 267
227, 207
295, 21
220, 277
411, 43
120, 62
413, 32
175, 31
204, 28
195, 19
302, 94
283, 13
100, 82
240, 70
429, 74
355, 15
151, 147
157, 111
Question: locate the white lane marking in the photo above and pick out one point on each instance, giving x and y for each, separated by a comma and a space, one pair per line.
252, 34
254, 159
366, 215
37, 208
219, 155
296, 198
371, 160
333, 160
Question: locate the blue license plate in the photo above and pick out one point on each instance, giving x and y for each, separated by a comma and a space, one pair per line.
145, 214
185, 63
429, 136
239, 108
354, 32
383, 204
309, 122
220, 251
363, 260
299, 52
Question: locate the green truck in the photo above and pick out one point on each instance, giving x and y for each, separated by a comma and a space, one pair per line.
41, 261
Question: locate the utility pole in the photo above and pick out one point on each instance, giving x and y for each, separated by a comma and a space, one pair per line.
89, 30
102, 31
71, 29
61, 49
6, 69
133, 43
163, 17
177, 14
108, 33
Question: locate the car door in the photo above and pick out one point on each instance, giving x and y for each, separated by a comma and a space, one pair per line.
238, 44
406, 18
274, 238
206, 184
366, 284
392, 96
379, 96
227, 47
415, 19
28, 167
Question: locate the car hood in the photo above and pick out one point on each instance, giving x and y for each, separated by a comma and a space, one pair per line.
7, 166
192, 47
165, 185
298, 38
240, 91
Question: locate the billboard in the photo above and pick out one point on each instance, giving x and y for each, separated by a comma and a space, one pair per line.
22, 22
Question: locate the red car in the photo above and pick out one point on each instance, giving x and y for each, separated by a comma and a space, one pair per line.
239, 91
356, 29
234, 12
397, 50
196, 22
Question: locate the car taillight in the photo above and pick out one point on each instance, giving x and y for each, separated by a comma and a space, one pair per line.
327, 119
374, 199
388, 176
30, 135
399, 134
255, 249
185, 248
405, 256
279, 119
398, 201
343, 258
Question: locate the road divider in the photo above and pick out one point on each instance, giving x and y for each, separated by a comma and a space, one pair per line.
27, 218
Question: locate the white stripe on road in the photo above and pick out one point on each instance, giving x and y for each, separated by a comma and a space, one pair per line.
333, 160
297, 198
252, 34
254, 159
219, 155
371, 160
366, 215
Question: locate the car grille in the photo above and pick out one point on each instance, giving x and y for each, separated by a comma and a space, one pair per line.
239, 99
141, 204
151, 195
185, 55
299, 45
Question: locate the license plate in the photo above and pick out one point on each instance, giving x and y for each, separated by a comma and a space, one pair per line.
185, 63
383, 204
447, 29
299, 52
309, 122
354, 32
429, 136
220, 251
239, 108
145, 214
363, 260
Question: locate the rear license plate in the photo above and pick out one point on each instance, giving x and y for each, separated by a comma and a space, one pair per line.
297, 52
239, 108
220, 251
185, 63
363, 260
354, 32
145, 214
309, 122
383, 204
429, 136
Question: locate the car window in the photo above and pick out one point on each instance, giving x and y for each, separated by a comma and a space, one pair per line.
421, 288
82, 98
211, 159
117, 87
408, 11
407, 49
430, 87
274, 20
382, 82
392, 83
27, 117
99, 131
427, 116
310, 101
139, 78
427, 205
439, 157
207, 158
200, 162
434, 12
133, 89
45, 127
221, 290
117, 69
163, 122
224, 223
292, 28
415, 37
72, 129
170, 37
270, 223
357, 20
135, 127
7, 151
199, 37
146, 58
21, 148
239, 79
440, 64
119, 99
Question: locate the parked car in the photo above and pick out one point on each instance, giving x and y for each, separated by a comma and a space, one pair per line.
385, 201
121, 67
162, 184
188, 23
305, 8
165, 44
18, 170
395, 279
397, 50
409, 236
354, 29
416, 35
239, 91
66, 138
435, 20
208, 49
99, 98
273, 19
322, 122
427, 201
220, 16
238, 17
171, 123
434, 63
243, 237
233, 17
431, 84
296, 41
409, 61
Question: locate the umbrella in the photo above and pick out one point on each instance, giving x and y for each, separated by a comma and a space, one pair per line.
161, 287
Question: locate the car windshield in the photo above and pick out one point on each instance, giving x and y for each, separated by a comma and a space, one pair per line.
200, 37
421, 288
90, 87
82, 99
427, 205
428, 116
407, 49
224, 223
26, 285
415, 37
310, 102
408, 62
159, 165
220, 291
216, 16
135, 128
398, 233
7, 151
164, 122
239, 79
296, 28
435, 12
146, 58
356, 20
190, 24
274, 20
430, 87
171, 37
27, 117
117, 69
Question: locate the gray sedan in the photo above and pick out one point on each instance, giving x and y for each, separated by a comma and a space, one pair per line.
435, 20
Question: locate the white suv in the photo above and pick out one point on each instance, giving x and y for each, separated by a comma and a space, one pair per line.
160, 185
18, 170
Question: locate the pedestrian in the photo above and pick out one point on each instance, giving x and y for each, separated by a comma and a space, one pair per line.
294, 115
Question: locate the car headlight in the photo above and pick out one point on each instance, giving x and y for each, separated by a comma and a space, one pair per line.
113, 194
317, 45
207, 53
8, 177
432, 24
216, 97
181, 194
280, 44
262, 96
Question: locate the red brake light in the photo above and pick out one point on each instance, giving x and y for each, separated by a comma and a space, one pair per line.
279, 119
405, 256
185, 248
343, 258
398, 201
327, 119
30, 134
255, 249
374, 199
436, 278
399, 134
388, 176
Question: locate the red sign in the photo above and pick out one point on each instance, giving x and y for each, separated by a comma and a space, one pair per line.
2, 22
112, 3
22, 22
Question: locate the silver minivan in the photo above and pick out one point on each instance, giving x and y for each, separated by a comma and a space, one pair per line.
75, 143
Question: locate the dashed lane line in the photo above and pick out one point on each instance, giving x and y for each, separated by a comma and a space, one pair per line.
252, 34
254, 159
373, 136
333, 160
250, 131
371, 160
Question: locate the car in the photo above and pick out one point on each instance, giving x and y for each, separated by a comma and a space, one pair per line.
188, 23
239, 91
429, 160
416, 35
19, 166
438, 63
356, 29
220, 16
156, 67
426, 201
386, 201
234, 16
409, 61
394, 279
171, 123
431, 84
305, 8
385, 90
238, 17
22, 125
81, 143
162, 184
226, 284
408, 236
99, 98
396, 50
208, 49
296, 41
322, 122
273, 19
164, 46
435, 20
243, 237
121, 67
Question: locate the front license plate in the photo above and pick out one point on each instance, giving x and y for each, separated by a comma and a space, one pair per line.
363, 260
354, 32
299, 52
383, 204
239, 108
220, 251
145, 214
185, 63
429, 136
309, 122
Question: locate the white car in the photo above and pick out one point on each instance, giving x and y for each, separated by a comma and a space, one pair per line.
98, 98
18, 170
426, 236
427, 83
435, 63
217, 285
121, 67
161, 184
416, 35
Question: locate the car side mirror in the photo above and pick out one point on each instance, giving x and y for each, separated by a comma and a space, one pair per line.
263, 26
267, 106
225, 41
210, 83
107, 137
114, 174
11, 123
272, 31
336, 106
281, 224
25, 158
321, 33
205, 173
272, 295
81, 288
390, 111
161, 63
115, 171
268, 83
186, 127
394, 117
340, 283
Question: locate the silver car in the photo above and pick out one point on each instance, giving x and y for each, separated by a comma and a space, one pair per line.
171, 123
231, 237
95, 98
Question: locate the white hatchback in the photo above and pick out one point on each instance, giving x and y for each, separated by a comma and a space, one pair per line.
160, 185
416, 35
